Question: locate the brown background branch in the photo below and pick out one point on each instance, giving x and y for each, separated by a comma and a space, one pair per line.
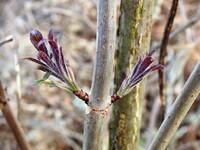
163, 51
12, 121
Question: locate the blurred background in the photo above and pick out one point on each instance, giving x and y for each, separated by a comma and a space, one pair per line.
52, 118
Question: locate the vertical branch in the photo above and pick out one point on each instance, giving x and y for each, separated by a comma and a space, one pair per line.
134, 40
12, 121
18, 80
178, 111
100, 92
163, 50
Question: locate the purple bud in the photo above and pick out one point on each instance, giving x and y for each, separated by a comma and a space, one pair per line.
142, 68
46, 69
51, 34
35, 61
35, 37
50, 58
47, 61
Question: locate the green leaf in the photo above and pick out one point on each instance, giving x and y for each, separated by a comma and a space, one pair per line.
51, 84
39, 82
46, 76
69, 89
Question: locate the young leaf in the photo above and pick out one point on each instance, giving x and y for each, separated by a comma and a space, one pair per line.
46, 76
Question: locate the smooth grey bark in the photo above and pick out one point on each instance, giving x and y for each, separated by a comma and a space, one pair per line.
102, 78
178, 111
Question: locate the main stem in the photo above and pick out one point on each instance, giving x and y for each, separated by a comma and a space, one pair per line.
102, 77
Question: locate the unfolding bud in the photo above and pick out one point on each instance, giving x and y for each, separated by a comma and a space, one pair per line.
51, 34
142, 68
35, 37
51, 61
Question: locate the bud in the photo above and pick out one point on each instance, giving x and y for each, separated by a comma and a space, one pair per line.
51, 61
142, 68
35, 37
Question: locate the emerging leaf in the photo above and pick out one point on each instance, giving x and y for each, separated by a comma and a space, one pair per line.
51, 61
43, 81
46, 76
142, 68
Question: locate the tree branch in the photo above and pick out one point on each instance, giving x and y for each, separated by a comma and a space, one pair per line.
178, 111
163, 50
12, 121
99, 99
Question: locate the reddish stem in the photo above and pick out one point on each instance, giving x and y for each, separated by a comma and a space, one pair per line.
115, 98
82, 95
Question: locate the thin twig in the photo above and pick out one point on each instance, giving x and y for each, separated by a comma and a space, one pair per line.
12, 121
18, 79
6, 40
178, 111
163, 51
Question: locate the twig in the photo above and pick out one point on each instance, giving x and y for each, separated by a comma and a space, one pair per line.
18, 79
163, 51
178, 111
6, 40
12, 121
